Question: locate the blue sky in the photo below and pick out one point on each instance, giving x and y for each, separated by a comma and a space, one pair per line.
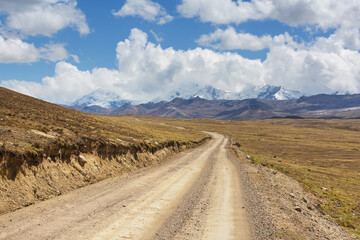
60, 50
97, 49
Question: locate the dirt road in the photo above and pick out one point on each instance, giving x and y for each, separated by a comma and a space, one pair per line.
195, 195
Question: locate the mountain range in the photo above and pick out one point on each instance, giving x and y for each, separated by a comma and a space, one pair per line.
108, 99
196, 101
318, 106
260, 92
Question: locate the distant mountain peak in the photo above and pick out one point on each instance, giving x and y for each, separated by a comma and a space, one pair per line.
209, 92
101, 97
266, 91
108, 99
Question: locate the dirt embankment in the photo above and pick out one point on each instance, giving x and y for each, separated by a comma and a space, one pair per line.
31, 177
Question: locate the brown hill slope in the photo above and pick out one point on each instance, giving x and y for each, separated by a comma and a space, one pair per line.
46, 149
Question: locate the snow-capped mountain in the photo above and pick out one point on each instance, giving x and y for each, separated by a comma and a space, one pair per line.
284, 94
270, 92
108, 99
103, 98
211, 93
206, 92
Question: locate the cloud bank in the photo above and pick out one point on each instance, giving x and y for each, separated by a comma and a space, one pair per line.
147, 71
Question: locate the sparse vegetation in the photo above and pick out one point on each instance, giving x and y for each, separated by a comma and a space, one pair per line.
323, 155
41, 146
28, 125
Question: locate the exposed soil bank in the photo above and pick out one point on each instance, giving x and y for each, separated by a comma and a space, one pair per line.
31, 177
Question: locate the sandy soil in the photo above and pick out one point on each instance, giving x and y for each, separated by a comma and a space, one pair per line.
200, 187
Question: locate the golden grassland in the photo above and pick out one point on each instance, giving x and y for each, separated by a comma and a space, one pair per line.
155, 128
28, 125
323, 155
41, 144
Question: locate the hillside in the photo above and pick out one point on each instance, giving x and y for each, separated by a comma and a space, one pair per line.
46, 150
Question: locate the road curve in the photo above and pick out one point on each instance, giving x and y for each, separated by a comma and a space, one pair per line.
197, 194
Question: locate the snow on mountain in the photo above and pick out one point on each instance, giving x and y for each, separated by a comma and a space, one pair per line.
284, 94
211, 93
271, 92
206, 92
109, 99
103, 98
184, 92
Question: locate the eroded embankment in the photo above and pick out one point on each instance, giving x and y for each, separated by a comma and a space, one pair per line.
33, 176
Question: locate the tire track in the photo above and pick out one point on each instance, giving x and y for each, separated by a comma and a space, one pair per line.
195, 195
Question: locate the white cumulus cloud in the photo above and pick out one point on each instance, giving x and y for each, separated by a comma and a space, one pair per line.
313, 71
54, 52
147, 71
325, 65
17, 51
43, 17
322, 13
229, 39
146, 9
25, 18
219, 11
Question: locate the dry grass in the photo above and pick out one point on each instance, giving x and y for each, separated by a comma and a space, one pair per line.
155, 128
41, 143
28, 126
323, 155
